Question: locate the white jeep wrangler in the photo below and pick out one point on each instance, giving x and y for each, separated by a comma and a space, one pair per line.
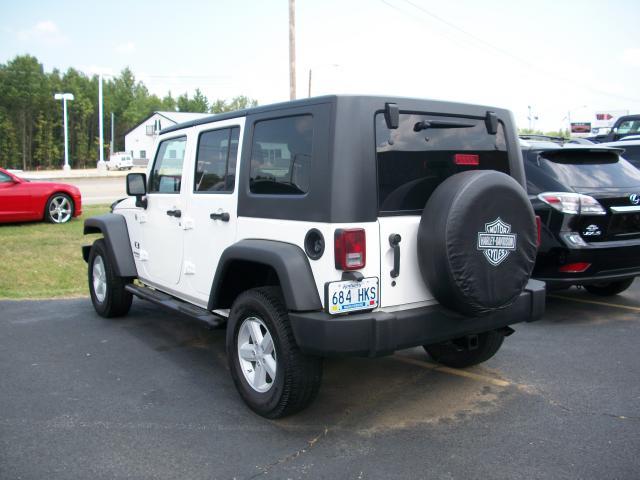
338, 225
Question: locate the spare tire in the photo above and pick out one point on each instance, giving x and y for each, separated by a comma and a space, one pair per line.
477, 242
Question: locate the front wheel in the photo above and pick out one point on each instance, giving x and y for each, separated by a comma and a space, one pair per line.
272, 375
459, 354
108, 294
59, 208
607, 289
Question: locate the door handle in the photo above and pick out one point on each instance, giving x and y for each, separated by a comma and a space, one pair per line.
394, 241
224, 216
174, 213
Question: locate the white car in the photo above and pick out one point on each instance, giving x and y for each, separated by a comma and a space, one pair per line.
120, 161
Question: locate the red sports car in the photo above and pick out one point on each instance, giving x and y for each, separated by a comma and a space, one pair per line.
23, 201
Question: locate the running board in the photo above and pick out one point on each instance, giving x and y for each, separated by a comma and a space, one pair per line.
175, 304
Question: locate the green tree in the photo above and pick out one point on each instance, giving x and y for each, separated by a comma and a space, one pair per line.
8, 142
23, 86
236, 103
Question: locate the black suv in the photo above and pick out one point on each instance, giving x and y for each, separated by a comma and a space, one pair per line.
588, 200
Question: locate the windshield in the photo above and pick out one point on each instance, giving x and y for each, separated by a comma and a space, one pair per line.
425, 150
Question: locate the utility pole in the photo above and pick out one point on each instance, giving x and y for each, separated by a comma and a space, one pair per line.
292, 49
64, 97
101, 164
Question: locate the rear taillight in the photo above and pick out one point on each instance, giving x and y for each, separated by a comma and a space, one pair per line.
539, 228
577, 267
350, 249
466, 159
573, 203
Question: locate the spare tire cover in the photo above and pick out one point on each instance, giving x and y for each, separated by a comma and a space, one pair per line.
477, 242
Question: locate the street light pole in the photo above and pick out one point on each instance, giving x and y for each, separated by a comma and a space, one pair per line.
101, 164
64, 97
292, 49
112, 130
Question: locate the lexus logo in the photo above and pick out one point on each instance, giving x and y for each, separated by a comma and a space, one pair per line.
634, 198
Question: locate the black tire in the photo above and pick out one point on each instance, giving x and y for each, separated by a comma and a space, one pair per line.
53, 215
454, 354
114, 301
477, 242
297, 376
609, 288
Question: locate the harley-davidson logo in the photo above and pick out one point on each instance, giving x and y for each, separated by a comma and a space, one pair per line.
497, 241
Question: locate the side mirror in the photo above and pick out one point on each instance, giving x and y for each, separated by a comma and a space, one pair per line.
137, 187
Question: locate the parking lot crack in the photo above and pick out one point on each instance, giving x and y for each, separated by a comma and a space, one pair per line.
288, 458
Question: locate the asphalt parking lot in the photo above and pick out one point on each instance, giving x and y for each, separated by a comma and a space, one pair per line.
149, 396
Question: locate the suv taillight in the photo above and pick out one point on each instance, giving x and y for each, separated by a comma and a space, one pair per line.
350, 249
574, 203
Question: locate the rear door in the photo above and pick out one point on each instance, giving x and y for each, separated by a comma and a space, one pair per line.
210, 219
412, 161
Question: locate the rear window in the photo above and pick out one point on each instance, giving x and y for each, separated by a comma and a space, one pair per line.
549, 170
413, 160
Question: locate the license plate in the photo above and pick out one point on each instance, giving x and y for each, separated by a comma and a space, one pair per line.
351, 296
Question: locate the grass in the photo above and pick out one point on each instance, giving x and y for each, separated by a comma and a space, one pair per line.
43, 260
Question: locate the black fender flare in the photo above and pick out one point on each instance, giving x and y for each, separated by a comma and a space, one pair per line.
116, 236
288, 261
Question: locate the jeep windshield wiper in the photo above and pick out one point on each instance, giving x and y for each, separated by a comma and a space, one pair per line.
425, 124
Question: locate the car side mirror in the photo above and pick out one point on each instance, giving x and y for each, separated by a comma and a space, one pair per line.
137, 187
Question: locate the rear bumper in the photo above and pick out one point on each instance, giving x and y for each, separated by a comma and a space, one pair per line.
380, 333
608, 263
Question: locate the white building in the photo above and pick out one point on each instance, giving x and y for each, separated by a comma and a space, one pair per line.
140, 140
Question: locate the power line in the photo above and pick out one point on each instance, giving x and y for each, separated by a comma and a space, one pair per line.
504, 52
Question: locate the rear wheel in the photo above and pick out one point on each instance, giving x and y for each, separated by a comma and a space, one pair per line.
607, 289
108, 295
467, 351
59, 208
272, 375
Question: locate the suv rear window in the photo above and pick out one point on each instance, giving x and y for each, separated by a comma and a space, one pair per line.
550, 169
412, 162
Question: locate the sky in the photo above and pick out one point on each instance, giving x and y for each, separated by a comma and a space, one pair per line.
564, 59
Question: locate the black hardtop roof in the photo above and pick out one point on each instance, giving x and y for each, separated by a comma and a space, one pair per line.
405, 103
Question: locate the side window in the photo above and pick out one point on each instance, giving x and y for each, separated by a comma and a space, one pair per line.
281, 156
216, 161
629, 126
166, 175
5, 178
632, 153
